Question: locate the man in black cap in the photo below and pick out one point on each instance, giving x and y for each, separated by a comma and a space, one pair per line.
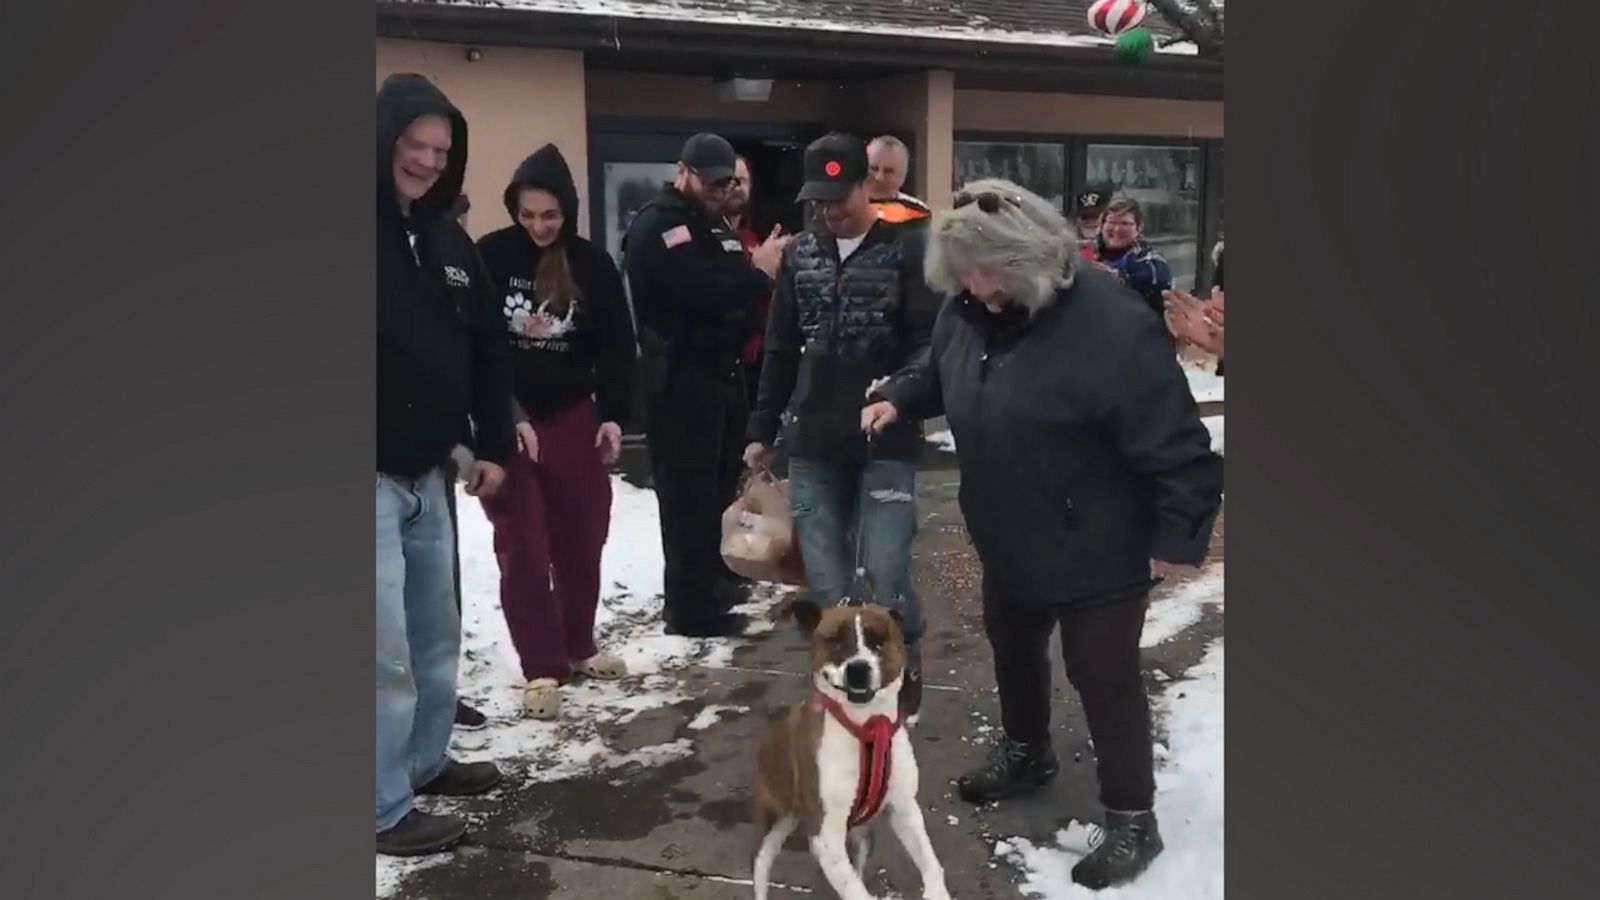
694, 292
851, 307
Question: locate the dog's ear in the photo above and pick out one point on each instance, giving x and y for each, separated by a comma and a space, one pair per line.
803, 611
894, 611
808, 614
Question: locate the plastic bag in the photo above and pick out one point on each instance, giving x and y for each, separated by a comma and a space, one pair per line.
758, 539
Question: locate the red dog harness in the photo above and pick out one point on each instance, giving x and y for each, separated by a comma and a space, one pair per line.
876, 738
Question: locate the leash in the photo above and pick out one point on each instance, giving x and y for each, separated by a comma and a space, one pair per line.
860, 592
876, 737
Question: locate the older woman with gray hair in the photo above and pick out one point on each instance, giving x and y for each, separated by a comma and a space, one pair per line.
1086, 477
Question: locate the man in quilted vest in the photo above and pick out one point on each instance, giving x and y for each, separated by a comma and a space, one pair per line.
849, 307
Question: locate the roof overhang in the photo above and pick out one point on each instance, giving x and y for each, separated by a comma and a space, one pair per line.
716, 48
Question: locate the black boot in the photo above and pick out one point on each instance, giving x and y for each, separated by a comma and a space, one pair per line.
1131, 842
469, 719
731, 592
911, 687
1013, 768
461, 779
723, 625
911, 695
419, 834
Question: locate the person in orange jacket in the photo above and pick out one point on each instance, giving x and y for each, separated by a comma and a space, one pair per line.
888, 160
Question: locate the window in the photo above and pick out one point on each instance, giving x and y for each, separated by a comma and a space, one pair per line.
1216, 195
1041, 168
628, 187
1166, 180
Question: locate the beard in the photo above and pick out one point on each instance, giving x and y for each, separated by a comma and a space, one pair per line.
712, 207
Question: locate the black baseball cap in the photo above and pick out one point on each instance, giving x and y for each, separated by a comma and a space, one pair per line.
834, 165
1094, 199
710, 156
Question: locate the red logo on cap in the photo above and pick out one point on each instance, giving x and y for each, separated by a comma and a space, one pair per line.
832, 168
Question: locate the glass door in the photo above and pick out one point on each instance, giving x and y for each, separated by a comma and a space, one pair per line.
631, 160
625, 188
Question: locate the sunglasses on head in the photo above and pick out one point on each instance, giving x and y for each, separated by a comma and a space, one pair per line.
988, 201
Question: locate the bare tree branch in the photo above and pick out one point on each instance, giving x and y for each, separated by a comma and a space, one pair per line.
1207, 38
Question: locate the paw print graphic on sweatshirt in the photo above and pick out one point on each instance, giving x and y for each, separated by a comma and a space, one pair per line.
518, 309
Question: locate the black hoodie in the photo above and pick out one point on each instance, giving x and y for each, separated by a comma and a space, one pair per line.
441, 343
558, 361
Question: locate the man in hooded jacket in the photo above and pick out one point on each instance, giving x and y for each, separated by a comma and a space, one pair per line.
441, 381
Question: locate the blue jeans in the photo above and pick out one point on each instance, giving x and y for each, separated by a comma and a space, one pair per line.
832, 501
419, 638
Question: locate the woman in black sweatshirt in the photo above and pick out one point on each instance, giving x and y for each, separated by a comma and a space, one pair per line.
573, 351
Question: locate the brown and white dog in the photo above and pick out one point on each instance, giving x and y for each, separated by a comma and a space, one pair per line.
838, 759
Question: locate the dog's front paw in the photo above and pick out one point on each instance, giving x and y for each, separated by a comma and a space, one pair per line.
936, 892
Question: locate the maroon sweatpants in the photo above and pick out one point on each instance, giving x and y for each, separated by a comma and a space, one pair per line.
550, 522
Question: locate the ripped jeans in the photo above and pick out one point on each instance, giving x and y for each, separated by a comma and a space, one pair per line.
830, 502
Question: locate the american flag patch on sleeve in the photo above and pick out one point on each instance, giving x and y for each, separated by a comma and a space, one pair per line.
675, 237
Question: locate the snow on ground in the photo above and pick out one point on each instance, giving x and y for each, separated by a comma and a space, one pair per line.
1170, 615
1204, 382
1189, 792
393, 871
628, 623
709, 716
1214, 425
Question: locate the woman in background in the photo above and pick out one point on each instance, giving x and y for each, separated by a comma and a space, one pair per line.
1122, 249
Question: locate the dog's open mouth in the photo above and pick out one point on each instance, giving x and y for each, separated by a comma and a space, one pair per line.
859, 695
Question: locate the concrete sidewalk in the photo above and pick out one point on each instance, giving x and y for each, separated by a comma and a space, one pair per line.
679, 830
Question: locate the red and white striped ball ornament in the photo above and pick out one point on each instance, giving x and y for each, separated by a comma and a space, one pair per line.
1116, 16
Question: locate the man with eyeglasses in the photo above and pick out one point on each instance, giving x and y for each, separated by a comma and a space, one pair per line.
694, 291
1122, 250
